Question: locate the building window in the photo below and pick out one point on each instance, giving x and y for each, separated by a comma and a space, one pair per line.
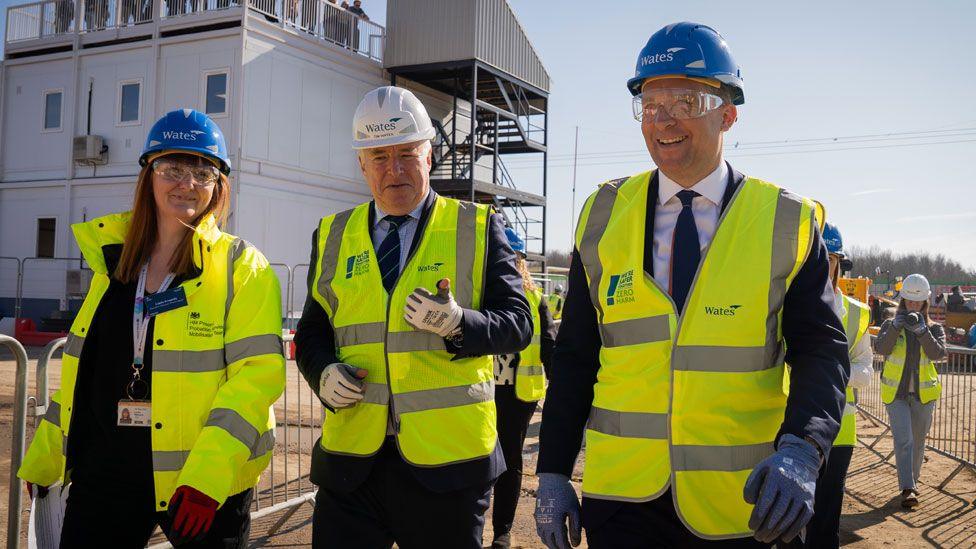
130, 109
45, 236
52, 110
215, 93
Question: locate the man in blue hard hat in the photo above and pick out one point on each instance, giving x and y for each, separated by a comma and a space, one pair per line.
690, 287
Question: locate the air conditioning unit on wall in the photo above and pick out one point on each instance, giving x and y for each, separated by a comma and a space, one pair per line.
90, 150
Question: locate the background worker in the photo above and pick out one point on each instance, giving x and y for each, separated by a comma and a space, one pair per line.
556, 302
520, 382
172, 363
910, 385
822, 531
676, 376
410, 295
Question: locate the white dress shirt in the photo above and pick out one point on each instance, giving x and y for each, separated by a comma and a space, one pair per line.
862, 357
707, 208
407, 230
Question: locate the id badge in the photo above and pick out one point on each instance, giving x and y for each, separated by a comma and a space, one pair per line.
134, 413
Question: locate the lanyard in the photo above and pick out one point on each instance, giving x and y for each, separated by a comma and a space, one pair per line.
140, 325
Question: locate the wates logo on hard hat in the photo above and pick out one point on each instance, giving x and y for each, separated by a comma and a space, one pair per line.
665, 57
357, 264
721, 311
388, 126
182, 136
621, 288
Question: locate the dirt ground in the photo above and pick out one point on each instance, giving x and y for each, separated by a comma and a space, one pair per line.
872, 517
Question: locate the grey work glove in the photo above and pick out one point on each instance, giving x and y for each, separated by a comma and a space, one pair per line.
915, 324
783, 487
437, 313
899, 321
341, 385
555, 501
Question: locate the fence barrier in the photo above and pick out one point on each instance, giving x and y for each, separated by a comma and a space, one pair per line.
18, 443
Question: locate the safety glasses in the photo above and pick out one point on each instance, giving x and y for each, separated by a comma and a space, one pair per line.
680, 104
174, 170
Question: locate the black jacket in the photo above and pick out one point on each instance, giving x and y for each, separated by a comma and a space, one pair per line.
502, 325
815, 340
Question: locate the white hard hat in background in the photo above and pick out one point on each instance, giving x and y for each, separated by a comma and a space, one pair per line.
915, 287
390, 116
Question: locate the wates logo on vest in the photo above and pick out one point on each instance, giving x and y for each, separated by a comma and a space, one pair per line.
721, 311
357, 264
430, 268
621, 288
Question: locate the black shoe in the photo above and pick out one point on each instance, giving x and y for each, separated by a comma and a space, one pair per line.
909, 499
503, 541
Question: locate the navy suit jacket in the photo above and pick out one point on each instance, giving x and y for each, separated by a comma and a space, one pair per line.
502, 325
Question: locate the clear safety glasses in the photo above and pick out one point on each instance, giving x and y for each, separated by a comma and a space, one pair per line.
678, 103
202, 176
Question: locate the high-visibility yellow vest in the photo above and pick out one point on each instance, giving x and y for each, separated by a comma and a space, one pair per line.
443, 411
556, 306
929, 387
530, 378
856, 320
693, 402
217, 367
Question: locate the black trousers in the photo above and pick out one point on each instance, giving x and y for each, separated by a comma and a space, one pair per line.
392, 506
616, 525
513, 422
822, 531
98, 516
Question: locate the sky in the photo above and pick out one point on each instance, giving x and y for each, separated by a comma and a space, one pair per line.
865, 106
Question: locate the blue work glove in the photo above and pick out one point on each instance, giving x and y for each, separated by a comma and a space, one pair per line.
899, 321
915, 324
782, 487
555, 501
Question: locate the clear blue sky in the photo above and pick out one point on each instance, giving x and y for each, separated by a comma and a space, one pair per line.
812, 71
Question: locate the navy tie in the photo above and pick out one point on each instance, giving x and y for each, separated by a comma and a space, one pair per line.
685, 250
388, 254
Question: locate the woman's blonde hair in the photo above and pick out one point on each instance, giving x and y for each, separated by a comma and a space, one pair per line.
143, 228
528, 285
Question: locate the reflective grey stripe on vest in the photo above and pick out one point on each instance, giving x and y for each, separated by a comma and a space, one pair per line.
700, 358
234, 252
928, 384
889, 382
596, 226
445, 397
536, 340
169, 460
236, 426
360, 334
467, 221
853, 320
719, 458
635, 331
74, 345
53, 414
376, 393
265, 344
408, 342
530, 370
188, 361
628, 424
849, 409
786, 226
330, 258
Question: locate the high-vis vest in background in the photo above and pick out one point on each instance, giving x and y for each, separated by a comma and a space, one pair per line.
217, 368
530, 378
556, 306
856, 321
929, 387
443, 411
691, 402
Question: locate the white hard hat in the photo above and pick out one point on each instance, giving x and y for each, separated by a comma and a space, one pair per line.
915, 287
390, 116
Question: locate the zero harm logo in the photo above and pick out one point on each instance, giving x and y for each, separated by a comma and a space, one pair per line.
721, 311
357, 264
621, 288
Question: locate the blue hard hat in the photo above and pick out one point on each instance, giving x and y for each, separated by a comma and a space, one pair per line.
833, 240
688, 49
189, 131
514, 240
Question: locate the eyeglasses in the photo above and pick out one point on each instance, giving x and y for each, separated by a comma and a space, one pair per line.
678, 103
202, 176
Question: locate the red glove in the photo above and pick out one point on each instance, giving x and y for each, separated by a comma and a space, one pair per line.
193, 513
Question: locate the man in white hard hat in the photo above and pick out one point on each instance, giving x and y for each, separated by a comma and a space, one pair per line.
409, 296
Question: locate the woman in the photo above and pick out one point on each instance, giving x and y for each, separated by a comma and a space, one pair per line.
172, 364
909, 382
520, 381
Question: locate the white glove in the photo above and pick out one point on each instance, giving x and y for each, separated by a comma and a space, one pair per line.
341, 385
439, 313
